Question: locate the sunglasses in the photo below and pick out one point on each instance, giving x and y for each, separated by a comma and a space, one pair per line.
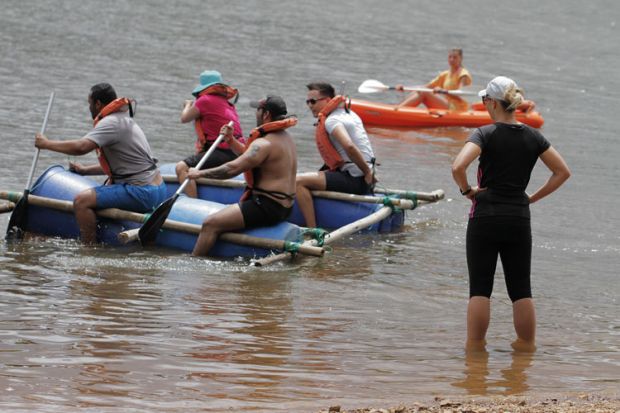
485, 98
313, 101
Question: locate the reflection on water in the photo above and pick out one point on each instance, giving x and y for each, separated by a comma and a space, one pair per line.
111, 324
515, 377
251, 333
477, 374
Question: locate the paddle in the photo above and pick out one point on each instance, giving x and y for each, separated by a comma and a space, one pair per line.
18, 220
374, 86
148, 232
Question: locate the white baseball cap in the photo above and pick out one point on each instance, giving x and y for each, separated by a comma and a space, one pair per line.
496, 89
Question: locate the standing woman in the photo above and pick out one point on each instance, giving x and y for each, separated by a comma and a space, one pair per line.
452, 79
499, 219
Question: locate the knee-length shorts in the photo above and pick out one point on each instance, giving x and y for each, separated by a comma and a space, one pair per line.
510, 239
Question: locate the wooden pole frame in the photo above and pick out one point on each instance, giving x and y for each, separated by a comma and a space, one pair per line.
119, 214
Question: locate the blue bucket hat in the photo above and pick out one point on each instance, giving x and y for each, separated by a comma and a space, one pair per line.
207, 78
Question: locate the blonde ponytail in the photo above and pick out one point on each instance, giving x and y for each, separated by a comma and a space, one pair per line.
513, 98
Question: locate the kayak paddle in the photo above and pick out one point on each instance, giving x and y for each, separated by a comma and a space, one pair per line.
18, 220
149, 230
374, 86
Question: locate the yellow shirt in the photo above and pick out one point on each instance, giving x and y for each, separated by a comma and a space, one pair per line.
452, 81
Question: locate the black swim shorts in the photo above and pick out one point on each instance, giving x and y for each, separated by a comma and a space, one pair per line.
262, 211
339, 181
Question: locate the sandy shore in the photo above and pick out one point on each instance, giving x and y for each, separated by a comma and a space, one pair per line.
582, 403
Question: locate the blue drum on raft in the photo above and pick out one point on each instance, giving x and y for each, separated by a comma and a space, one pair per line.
58, 183
330, 213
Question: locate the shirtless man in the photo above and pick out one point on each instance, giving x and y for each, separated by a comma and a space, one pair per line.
269, 162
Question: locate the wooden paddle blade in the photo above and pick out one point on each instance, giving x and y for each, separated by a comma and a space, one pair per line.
148, 232
19, 219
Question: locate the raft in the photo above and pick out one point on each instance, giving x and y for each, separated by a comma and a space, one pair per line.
58, 183
383, 114
330, 213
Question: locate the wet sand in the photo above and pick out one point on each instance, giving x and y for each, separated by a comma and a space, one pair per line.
566, 403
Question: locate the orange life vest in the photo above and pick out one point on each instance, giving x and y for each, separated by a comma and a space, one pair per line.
219, 89
117, 105
259, 132
326, 148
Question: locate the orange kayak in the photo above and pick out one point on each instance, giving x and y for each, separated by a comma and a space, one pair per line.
382, 114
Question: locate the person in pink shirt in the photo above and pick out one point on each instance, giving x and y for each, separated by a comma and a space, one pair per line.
210, 111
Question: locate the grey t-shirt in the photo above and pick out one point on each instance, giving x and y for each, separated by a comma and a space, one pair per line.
355, 128
126, 149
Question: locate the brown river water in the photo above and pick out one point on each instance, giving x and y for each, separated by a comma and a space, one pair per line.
381, 318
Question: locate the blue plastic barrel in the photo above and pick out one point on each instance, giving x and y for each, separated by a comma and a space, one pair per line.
194, 211
58, 183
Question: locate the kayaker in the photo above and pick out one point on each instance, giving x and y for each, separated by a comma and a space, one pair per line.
344, 146
134, 182
269, 163
209, 111
454, 78
499, 218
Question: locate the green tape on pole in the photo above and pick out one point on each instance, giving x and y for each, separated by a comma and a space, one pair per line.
317, 233
292, 247
14, 196
387, 201
413, 196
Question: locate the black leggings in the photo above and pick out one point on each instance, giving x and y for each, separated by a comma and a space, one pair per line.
511, 239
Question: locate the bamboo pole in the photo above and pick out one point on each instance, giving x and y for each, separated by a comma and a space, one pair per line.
119, 214
434, 196
411, 195
131, 235
358, 225
7, 207
334, 235
232, 237
342, 196
337, 234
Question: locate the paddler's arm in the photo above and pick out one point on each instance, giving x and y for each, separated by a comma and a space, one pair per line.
459, 168
342, 137
74, 147
190, 112
237, 147
465, 80
253, 157
78, 168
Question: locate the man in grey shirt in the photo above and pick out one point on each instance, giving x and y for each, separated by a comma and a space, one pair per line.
134, 182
